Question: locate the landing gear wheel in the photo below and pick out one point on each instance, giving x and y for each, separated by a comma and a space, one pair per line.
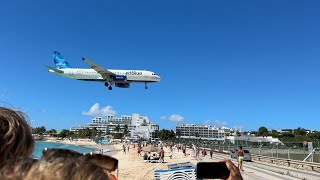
145, 86
106, 84
110, 88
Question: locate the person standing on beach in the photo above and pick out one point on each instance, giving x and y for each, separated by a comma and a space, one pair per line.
161, 155
203, 152
124, 149
139, 151
184, 150
211, 152
198, 153
240, 155
171, 152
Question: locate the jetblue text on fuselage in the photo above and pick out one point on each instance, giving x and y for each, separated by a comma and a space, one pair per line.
133, 73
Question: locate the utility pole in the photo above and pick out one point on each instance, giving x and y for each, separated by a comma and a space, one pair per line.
317, 142
289, 152
277, 150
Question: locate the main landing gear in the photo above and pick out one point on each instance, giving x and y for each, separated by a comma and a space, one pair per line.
107, 84
145, 85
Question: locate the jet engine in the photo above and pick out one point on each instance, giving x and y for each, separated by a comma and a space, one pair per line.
122, 85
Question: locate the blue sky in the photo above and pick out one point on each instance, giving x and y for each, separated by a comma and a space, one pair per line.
240, 64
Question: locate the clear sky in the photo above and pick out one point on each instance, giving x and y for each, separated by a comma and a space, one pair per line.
240, 64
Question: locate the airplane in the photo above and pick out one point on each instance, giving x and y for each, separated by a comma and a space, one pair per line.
118, 78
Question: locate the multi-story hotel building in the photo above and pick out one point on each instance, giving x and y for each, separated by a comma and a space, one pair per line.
201, 131
138, 126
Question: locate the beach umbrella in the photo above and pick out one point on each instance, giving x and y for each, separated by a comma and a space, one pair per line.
150, 149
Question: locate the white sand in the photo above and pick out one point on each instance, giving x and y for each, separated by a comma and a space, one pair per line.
132, 167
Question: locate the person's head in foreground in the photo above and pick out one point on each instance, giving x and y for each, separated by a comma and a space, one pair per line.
98, 163
72, 169
22, 168
16, 139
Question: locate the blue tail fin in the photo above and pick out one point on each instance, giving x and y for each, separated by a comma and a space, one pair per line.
59, 61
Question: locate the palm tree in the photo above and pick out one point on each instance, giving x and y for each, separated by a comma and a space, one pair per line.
196, 134
81, 133
126, 130
94, 133
87, 132
117, 128
64, 133
178, 133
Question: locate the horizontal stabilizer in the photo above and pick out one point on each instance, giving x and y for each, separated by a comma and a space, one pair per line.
54, 69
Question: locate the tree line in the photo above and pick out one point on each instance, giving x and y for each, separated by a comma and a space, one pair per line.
289, 135
91, 133
286, 135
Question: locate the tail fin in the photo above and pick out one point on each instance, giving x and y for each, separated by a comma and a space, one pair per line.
59, 61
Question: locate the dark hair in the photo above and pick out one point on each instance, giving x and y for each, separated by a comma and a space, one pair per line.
240, 147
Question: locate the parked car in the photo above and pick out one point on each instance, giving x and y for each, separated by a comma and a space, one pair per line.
246, 157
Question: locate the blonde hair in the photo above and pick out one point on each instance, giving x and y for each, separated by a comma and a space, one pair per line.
20, 169
15, 135
72, 169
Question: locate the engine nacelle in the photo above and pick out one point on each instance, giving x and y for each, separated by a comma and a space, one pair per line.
122, 85
119, 78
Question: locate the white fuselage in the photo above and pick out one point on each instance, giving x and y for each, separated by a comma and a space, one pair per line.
93, 75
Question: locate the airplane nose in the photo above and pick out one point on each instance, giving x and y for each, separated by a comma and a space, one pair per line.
158, 77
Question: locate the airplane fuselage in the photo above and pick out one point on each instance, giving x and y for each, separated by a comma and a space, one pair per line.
93, 75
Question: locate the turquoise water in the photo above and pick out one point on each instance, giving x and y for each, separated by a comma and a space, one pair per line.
40, 145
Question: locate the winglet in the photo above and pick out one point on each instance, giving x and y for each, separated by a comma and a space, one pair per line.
83, 58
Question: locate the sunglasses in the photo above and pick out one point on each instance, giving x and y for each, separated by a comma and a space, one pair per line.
105, 162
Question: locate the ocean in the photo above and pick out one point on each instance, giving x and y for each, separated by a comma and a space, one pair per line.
40, 146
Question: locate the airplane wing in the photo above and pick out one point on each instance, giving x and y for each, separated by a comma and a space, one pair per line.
54, 69
104, 72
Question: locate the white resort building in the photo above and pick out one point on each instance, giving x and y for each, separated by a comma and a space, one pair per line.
201, 131
138, 126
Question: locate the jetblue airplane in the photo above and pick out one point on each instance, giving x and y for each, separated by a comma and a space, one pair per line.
119, 78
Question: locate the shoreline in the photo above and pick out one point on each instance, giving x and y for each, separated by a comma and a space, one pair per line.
87, 143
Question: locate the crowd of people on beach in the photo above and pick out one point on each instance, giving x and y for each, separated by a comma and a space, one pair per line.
16, 161
195, 153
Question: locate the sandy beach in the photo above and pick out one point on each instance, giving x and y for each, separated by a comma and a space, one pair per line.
131, 166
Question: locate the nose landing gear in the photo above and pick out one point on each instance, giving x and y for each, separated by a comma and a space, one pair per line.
145, 85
